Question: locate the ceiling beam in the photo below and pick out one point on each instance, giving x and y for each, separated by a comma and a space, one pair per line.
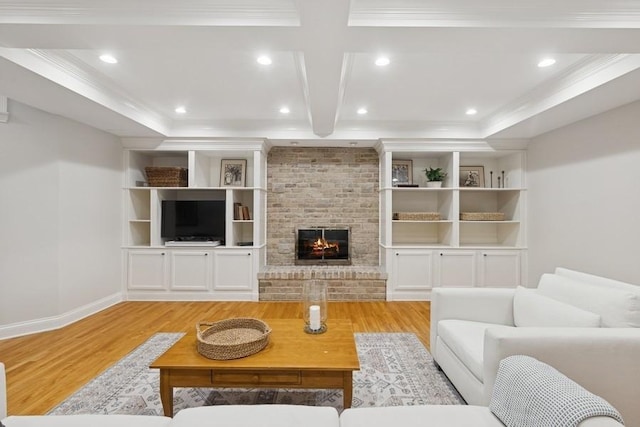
324, 24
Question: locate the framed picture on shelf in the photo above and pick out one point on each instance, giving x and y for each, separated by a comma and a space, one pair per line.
233, 173
401, 172
472, 176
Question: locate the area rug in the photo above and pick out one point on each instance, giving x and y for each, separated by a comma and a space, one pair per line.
395, 370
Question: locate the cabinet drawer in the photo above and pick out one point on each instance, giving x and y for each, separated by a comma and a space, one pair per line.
239, 378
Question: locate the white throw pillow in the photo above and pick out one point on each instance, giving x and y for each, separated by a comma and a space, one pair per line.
619, 308
533, 309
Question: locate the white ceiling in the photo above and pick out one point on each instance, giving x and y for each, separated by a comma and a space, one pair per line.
446, 56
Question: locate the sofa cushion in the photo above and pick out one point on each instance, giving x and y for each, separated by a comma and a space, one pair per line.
533, 309
618, 308
465, 338
86, 421
595, 280
257, 415
420, 416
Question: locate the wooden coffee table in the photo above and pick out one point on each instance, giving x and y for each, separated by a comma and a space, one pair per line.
292, 359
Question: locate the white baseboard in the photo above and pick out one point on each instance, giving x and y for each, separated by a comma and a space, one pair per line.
411, 295
57, 322
191, 296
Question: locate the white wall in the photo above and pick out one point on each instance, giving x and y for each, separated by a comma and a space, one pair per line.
584, 197
60, 218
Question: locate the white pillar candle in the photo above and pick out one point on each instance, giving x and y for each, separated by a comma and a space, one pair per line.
314, 317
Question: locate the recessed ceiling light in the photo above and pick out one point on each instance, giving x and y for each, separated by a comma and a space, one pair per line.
353, 143
546, 62
264, 60
180, 110
362, 111
294, 143
285, 110
471, 112
382, 61
109, 59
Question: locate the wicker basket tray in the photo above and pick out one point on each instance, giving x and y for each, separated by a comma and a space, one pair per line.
481, 216
166, 176
416, 216
232, 338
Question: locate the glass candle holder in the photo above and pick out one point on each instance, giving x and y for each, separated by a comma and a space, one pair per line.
314, 306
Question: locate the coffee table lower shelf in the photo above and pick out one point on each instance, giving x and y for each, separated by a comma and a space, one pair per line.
280, 378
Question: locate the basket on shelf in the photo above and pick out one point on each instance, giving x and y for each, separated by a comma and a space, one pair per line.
163, 176
417, 216
232, 338
481, 216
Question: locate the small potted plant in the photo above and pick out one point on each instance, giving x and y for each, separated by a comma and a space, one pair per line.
435, 177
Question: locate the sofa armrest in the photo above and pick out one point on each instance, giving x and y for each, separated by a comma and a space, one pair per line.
602, 360
489, 305
3, 392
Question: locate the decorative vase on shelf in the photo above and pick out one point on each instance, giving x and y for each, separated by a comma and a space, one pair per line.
314, 306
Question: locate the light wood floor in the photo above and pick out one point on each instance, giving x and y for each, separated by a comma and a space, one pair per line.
43, 369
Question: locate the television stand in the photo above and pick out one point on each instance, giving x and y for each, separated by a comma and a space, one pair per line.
188, 243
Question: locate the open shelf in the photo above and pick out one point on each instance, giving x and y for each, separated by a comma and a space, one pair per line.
424, 200
139, 233
207, 165
138, 160
507, 202
506, 163
421, 160
493, 233
422, 233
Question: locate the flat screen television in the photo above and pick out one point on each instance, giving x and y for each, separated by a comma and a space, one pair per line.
193, 220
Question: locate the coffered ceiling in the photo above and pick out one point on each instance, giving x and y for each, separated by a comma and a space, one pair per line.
445, 57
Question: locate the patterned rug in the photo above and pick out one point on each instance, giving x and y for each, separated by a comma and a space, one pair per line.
395, 370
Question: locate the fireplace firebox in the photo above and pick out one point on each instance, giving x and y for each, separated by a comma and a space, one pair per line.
323, 246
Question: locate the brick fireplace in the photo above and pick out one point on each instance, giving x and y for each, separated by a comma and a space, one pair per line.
334, 188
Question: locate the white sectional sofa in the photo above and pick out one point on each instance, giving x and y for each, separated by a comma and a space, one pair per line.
291, 416
587, 327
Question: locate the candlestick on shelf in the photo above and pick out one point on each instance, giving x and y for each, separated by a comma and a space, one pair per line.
498, 182
491, 175
502, 179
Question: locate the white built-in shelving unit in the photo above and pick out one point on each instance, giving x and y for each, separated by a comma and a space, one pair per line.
154, 270
450, 252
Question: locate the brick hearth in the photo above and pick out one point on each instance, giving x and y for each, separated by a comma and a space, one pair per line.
343, 283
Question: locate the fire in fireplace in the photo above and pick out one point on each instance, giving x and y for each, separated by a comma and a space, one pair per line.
323, 246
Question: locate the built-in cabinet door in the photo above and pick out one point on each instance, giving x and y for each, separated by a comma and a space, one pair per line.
190, 270
456, 268
412, 272
147, 269
233, 270
499, 269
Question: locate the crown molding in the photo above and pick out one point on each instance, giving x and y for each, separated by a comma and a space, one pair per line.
407, 145
583, 76
496, 13
68, 71
151, 12
172, 144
